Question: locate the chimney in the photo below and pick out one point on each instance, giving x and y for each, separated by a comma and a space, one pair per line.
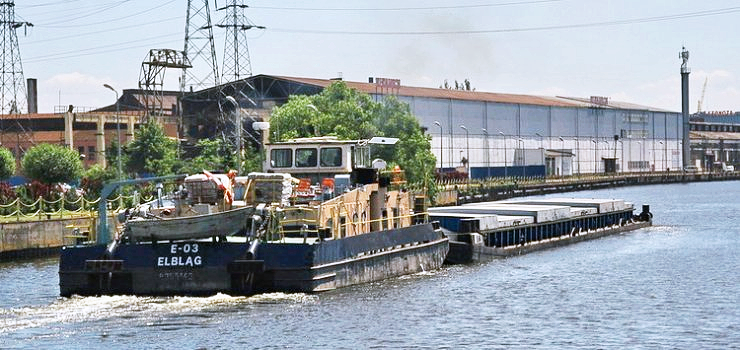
33, 104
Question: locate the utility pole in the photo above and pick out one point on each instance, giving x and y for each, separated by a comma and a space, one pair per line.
236, 63
13, 94
236, 67
199, 49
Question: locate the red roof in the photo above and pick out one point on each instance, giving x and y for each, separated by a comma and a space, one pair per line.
550, 101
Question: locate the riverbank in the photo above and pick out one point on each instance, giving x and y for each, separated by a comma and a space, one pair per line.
472, 191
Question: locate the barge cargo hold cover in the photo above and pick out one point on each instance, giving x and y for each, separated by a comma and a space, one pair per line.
483, 231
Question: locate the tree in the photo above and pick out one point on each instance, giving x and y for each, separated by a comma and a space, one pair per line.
111, 158
7, 163
94, 178
351, 115
212, 155
51, 164
151, 151
464, 85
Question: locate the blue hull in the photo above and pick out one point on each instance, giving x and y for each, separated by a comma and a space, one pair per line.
207, 267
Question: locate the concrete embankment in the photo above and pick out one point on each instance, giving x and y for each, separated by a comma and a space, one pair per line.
20, 240
483, 191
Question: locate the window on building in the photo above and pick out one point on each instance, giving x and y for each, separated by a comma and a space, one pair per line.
305, 157
81, 150
91, 152
331, 157
281, 158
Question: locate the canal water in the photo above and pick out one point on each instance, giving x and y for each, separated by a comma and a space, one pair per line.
674, 285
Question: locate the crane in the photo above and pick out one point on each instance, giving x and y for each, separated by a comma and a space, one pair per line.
701, 100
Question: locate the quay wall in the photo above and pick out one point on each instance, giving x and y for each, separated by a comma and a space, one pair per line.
29, 239
481, 191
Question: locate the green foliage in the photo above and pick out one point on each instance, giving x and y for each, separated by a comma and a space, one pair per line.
111, 158
218, 155
464, 85
213, 155
252, 160
351, 115
50, 164
151, 151
94, 179
7, 163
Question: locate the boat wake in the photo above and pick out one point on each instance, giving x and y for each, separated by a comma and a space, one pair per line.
79, 309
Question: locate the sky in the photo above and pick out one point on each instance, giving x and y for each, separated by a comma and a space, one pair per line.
626, 50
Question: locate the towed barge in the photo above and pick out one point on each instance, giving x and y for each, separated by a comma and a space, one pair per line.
288, 235
485, 231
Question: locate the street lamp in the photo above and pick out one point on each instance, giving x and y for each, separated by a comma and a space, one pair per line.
578, 155
664, 153
643, 145
541, 147
506, 166
596, 147
562, 155
118, 129
467, 148
640, 143
488, 156
524, 158
441, 164
615, 151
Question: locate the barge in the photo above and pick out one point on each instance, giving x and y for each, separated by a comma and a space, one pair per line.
485, 231
289, 235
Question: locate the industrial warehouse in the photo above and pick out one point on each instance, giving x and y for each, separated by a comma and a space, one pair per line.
500, 134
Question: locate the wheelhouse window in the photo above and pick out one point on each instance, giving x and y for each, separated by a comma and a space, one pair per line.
281, 158
331, 157
305, 157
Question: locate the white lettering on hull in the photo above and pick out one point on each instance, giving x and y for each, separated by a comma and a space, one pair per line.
178, 261
183, 255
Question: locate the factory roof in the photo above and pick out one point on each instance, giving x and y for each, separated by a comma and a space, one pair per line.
550, 101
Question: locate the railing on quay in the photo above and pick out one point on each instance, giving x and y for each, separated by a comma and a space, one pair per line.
62, 208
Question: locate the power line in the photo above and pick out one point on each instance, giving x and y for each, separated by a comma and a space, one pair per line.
96, 48
96, 52
111, 20
526, 29
92, 13
512, 3
112, 48
77, 35
55, 3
